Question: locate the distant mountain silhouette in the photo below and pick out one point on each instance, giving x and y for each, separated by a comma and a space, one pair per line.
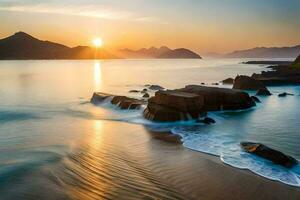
162, 52
23, 46
264, 52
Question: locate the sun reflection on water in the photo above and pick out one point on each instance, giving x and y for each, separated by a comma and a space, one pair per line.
97, 76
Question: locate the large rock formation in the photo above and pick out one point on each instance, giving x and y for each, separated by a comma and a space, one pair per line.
194, 101
173, 105
122, 102
247, 83
281, 75
263, 151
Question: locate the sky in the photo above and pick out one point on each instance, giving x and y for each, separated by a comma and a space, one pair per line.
200, 25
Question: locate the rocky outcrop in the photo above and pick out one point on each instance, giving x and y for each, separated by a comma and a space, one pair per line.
122, 102
156, 87
146, 95
247, 83
263, 151
263, 92
220, 98
284, 94
255, 99
174, 106
194, 101
281, 75
228, 81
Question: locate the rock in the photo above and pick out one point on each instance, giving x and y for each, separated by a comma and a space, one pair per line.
173, 106
193, 102
228, 81
99, 97
216, 99
146, 95
144, 91
263, 151
122, 102
156, 87
208, 120
215, 83
255, 99
284, 94
202, 83
134, 91
263, 92
247, 83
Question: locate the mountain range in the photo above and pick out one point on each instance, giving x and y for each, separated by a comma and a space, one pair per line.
266, 52
24, 46
163, 52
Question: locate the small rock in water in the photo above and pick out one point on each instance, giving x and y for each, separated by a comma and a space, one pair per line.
208, 120
263, 151
134, 91
146, 95
284, 94
202, 83
156, 87
255, 99
263, 92
144, 91
215, 83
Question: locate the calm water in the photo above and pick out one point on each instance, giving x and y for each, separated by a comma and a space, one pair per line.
49, 131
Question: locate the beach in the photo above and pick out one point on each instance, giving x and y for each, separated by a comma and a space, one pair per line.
128, 162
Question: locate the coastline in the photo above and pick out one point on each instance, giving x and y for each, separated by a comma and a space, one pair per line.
175, 171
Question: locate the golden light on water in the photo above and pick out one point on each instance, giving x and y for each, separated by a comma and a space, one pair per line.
97, 76
97, 42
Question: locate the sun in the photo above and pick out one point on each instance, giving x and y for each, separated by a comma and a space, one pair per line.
97, 42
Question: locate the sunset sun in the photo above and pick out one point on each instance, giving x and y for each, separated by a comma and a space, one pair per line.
97, 42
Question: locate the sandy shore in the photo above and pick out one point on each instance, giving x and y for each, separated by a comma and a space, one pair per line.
141, 164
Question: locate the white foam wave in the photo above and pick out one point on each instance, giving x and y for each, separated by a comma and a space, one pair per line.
230, 153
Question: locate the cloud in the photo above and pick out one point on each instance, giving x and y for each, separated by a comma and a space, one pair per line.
76, 9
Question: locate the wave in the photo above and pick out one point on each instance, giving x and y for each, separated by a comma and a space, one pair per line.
215, 143
231, 153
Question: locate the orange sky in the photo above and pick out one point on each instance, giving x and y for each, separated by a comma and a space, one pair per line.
202, 25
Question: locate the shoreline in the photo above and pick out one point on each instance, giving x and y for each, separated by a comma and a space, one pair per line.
198, 175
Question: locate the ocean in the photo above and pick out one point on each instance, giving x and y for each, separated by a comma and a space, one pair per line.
47, 122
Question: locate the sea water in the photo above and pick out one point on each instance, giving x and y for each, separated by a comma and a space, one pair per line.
44, 109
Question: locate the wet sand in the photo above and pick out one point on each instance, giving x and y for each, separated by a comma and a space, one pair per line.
125, 161
133, 163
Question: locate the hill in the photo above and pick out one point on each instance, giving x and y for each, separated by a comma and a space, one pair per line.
22, 46
162, 52
264, 52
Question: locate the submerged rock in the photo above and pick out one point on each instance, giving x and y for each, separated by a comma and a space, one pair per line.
156, 87
228, 81
122, 102
208, 120
284, 94
255, 99
146, 95
247, 83
144, 91
134, 91
263, 151
263, 92
193, 102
